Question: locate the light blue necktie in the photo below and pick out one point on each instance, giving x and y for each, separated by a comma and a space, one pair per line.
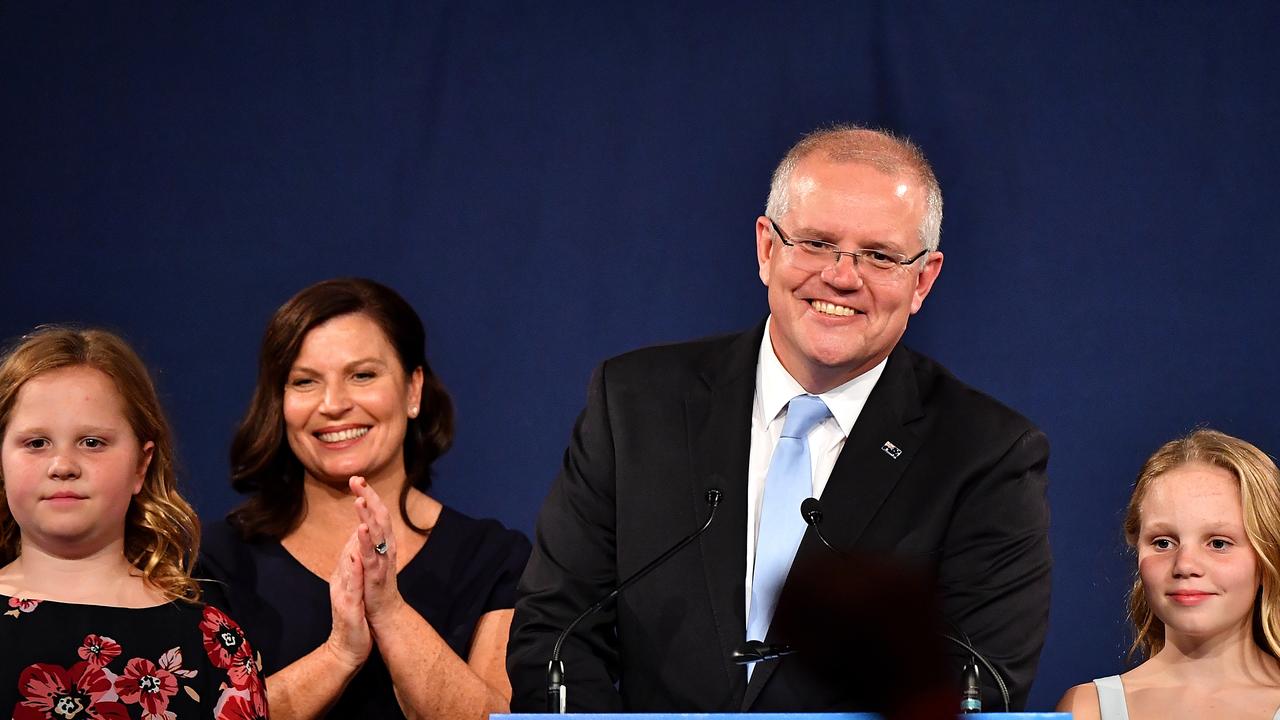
787, 484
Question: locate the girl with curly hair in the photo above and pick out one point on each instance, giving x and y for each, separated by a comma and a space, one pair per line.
99, 616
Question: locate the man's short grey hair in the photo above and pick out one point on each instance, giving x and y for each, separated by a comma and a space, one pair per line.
880, 149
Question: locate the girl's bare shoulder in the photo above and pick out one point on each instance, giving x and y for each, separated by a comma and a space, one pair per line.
1081, 701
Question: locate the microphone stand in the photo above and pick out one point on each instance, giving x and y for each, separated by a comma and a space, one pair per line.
557, 693
973, 691
811, 511
754, 651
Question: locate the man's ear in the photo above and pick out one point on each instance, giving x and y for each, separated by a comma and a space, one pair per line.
765, 247
925, 280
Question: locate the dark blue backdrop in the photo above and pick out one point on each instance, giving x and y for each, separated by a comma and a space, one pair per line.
552, 183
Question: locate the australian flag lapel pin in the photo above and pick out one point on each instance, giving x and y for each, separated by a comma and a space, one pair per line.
891, 450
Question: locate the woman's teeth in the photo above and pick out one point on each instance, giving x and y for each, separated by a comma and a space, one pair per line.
339, 436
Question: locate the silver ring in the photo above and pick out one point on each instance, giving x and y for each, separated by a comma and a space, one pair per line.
381, 548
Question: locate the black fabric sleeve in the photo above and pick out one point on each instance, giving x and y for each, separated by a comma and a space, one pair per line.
213, 568
573, 565
511, 562
994, 573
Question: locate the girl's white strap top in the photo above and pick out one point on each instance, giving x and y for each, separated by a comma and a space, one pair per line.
1111, 699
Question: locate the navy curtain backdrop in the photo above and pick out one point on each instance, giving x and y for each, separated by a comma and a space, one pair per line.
551, 183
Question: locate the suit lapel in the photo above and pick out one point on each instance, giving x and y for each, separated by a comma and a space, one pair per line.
718, 416
877, 451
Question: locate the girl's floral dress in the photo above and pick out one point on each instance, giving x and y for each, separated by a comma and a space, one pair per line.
178, 661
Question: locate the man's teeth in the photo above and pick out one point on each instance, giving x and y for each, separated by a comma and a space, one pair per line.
823, 306
339, 436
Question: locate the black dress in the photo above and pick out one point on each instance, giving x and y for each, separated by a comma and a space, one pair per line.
467, 568
177, 661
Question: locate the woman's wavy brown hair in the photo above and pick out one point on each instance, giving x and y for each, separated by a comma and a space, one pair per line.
1259, 483
161, 533
263, 465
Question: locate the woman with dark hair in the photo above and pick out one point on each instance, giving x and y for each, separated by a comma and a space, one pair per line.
359, 610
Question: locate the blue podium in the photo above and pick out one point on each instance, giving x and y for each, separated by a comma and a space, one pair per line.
769, 716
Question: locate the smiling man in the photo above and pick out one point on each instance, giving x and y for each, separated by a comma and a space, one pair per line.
821, 400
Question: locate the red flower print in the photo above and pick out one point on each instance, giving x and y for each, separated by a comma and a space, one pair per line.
244, 673
241, 705
21, 605
148, 685
50, 692
172, 661
223, 640
99, 650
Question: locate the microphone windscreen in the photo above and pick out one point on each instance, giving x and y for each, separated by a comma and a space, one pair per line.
811, 511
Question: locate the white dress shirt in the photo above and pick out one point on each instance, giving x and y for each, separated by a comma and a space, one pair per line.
775, 387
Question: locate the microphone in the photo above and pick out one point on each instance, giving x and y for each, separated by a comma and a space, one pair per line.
970, 675
754, 651
971, 698
811, 511
557, 693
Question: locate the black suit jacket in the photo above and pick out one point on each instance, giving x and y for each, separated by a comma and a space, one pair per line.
663, 425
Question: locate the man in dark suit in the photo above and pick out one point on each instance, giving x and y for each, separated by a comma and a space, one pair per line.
910, 465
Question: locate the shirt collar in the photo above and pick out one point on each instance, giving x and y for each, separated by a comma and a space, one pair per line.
775, 387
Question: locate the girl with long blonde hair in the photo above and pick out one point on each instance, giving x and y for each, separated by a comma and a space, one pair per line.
1204, 520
